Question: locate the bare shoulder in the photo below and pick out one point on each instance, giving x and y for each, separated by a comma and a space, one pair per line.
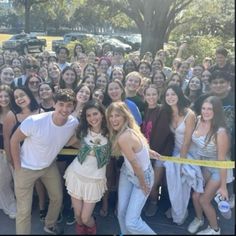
191, 114
126, 137
10, 114
10, 117
222, 132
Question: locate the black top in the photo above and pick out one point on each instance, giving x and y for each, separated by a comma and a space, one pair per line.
1, 137
156, 129
47, 109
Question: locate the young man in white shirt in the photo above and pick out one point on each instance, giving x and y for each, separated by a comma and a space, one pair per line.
44, 135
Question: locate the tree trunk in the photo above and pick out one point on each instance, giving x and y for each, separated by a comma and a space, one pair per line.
154, 25
151, 42
27, 16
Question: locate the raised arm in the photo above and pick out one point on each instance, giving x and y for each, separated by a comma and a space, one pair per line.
8, 125
189, 127
222, 140
16, 139
181, 48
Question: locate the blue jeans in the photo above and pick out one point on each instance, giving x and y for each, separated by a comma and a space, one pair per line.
131, 201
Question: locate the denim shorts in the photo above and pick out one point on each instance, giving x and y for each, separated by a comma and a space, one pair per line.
213, 173
148, 175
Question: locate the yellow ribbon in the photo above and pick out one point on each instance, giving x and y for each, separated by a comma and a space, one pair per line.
215, 164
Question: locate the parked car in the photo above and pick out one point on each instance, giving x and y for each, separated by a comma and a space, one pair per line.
134, 40
115, 43
24, 43
67, 39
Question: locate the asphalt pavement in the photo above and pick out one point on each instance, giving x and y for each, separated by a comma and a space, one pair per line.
109, 225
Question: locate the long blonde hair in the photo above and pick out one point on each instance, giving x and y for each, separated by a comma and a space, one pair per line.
122, 109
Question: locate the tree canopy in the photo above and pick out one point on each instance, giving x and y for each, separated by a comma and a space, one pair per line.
157, 21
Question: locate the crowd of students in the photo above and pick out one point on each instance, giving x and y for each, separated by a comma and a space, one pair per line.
118, 111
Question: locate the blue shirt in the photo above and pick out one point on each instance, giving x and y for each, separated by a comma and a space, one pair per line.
134, 110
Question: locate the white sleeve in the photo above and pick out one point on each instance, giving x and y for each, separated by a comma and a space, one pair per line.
27, 126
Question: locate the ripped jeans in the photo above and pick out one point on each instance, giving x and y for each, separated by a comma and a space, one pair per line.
131, 201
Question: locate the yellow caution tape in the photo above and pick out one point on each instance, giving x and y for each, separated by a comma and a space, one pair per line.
68, 151
215, 164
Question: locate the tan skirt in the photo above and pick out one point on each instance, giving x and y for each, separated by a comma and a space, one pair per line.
83, 188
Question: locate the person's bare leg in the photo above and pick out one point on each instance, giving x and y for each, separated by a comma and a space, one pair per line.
77, 206
86, 215
205, 201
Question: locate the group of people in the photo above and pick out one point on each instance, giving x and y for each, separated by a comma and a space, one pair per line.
121, 114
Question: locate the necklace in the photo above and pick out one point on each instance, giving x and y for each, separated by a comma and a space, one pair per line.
93, 134
96, 140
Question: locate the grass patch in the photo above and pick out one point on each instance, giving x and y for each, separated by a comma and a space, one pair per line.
4, 37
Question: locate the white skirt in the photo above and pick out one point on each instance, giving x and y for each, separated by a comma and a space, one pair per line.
83, 188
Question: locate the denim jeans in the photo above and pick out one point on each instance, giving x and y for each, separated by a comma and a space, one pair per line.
131, 201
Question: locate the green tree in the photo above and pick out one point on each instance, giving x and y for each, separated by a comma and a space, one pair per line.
207, 17
27, 5
155, 19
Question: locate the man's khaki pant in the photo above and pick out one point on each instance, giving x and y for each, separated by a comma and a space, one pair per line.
24, 180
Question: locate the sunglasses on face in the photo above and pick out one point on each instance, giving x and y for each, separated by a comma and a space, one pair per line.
31, 66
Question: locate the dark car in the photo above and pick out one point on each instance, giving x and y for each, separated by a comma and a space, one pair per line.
69, 38
24, 43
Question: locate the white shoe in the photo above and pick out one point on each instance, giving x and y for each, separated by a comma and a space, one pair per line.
12, 216
195, 225
209, 231
185, 217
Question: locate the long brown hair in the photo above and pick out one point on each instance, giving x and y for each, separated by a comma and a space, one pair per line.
130, 122
218, 120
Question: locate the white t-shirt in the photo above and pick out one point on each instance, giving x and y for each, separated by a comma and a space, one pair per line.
44, 139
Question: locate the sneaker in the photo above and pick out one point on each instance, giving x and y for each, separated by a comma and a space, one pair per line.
55, 230
70, 219
209, 231
195, 225
42, 215
60, 218
185, 217
151, 209
12, 216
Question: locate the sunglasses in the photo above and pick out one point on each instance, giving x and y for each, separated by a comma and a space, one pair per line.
31, 66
